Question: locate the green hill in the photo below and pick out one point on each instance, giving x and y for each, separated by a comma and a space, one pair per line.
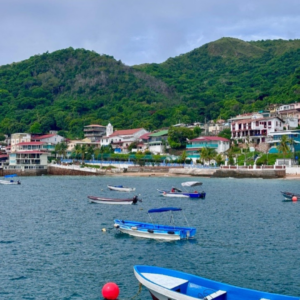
229, 76
68, 89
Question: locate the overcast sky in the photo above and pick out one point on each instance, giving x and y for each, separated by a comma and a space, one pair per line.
139, 31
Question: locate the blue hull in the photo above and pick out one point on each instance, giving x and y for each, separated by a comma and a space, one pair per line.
170, 284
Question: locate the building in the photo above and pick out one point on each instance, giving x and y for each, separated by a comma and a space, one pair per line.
275, 138
17, 138
255, 129
158, 142
121, 139
194, 146
94, 132
290, 113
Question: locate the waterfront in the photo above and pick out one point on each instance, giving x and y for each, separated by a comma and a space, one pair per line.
52, 246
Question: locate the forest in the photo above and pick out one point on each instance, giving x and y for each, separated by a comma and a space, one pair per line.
67, 89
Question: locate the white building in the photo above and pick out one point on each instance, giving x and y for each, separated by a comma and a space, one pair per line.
121, 139
17, 138
255, 129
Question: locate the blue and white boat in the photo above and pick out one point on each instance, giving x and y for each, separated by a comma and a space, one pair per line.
10, 181
288, 196
175, 192
165, 284
120, 188
156, 231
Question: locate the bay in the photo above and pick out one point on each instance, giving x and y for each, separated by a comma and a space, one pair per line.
52, 245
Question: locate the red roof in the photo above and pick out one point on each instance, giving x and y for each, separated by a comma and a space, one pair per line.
209, 138
3, 156
30, 143
44, 136
126, 132
145, 136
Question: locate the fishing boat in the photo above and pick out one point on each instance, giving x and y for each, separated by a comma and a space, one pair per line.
156, 231
289, 196
10, 181
120, 188
175, 192
164, 284
103, 200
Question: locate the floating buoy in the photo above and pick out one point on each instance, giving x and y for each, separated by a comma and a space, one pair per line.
110, 291
103, 230
294, 198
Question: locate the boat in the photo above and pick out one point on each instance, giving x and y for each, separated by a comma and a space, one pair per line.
120, 188
156, 231
175, 192
94, 199
289, 195
11, 181
164, 284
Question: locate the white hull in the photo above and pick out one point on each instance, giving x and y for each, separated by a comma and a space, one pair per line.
148, 235
8, 182
119, 189
174, 195
160, 292
110, 202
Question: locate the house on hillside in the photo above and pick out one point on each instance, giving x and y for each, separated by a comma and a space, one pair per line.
94, 132
121, 139
194, 146
158, 142
275, 138
255, 129
290, 113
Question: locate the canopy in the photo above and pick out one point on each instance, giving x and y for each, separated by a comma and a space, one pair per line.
191, 183
10, 175
163, 209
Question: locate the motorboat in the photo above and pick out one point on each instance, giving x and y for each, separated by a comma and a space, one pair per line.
156, 231
10, 181
175, 192
103, 200
164, 284
289, 196
120, 188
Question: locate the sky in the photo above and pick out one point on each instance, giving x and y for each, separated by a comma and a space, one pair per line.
139, 31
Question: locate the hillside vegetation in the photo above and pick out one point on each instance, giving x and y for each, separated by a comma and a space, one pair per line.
68, 89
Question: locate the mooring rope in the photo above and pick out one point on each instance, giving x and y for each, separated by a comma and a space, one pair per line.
140, 289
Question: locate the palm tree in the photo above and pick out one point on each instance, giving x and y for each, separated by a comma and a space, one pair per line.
283, 146
77, 150
83, 150
208, 154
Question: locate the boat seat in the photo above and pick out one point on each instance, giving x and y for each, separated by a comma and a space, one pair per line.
214, 295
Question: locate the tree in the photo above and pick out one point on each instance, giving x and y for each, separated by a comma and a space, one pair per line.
219, 159
225, 133
207, 154
283, 146
35, 128
177, 136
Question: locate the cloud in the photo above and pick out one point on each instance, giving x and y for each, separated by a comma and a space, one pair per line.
137, 31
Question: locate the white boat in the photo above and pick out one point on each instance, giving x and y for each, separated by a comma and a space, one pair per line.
120, 188
103, 200
156, 231
10, 182
166, 284
177, 193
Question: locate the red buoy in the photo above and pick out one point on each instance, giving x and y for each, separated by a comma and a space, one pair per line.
110, 291
294, 198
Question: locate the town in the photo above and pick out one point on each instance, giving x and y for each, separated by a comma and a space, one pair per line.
261, 132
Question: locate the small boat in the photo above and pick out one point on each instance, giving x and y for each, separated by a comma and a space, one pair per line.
94, 199
156, 231
16, 182
175, 192
166, 284
120, 188
289, 196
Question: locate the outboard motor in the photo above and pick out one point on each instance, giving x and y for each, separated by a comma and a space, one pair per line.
135, 199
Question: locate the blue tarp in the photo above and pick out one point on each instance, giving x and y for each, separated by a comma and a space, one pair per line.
163, 209
10, 175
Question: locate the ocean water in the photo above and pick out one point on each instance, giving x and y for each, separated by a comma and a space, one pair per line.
52, 245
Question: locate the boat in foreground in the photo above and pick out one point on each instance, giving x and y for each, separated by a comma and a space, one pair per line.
164, 284
133, 200
289, 196
156, 231
10, 182
175, 192
120, 188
